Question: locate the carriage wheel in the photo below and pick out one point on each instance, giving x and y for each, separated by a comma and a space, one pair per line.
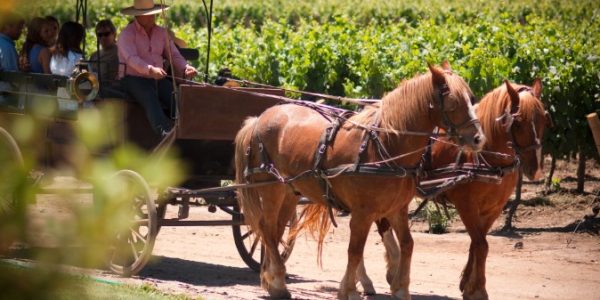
132, 248
250, 247
10, 160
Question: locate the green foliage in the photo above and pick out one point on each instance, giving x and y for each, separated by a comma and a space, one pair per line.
364, 48
91, 221
437, 219
555, 184
71, 287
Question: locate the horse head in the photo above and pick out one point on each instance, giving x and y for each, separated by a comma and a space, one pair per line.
525, 124
454, 108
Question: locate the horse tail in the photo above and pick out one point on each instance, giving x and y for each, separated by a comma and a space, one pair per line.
314, 218
248, 198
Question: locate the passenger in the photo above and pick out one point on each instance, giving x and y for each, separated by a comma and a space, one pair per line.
11, 27
50, 33
35, 55
142, 48
68, 49
105, 62
179, 43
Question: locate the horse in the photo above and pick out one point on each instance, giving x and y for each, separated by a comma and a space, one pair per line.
292, 150
513, 119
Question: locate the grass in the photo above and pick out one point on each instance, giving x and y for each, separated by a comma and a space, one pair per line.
100, 290
538, 201
25, 281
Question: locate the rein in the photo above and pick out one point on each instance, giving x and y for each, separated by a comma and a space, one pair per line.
365, 102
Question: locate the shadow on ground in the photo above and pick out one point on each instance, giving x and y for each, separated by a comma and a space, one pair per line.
201, 273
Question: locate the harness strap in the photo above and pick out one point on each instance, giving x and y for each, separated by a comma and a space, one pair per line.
320, 174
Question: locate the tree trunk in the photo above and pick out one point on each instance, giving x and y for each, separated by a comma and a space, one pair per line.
513, 208
581, 173
551, 172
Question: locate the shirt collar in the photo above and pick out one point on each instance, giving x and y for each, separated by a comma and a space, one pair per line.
139, 27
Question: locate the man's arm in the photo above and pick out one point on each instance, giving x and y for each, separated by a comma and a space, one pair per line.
128, 52
181, 67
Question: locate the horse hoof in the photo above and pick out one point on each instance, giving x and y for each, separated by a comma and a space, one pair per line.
371, 292
280, 294
354, 296
369, 289
401, 295
351, 296
477, 295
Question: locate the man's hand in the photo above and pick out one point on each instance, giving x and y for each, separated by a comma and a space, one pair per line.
190, 71
157, 73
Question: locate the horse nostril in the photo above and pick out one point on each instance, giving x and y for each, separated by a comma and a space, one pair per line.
477, 140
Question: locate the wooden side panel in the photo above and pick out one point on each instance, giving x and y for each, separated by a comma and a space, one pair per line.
594, 123
217, 113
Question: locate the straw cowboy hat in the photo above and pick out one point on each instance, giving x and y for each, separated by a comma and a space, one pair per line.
143, 8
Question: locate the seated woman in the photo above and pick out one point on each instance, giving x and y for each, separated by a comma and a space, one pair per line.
35, 55
68, 49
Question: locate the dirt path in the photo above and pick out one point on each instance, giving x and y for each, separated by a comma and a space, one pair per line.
204, 262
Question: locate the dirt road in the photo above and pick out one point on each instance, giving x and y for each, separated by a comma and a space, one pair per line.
204, 262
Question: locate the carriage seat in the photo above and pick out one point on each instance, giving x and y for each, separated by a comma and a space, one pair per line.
189, 53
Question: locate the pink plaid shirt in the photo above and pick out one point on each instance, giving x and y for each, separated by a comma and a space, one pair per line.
138, 51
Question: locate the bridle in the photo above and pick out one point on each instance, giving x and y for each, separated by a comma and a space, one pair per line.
512, 143
452, 129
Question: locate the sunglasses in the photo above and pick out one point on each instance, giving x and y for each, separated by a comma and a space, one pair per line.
103, 34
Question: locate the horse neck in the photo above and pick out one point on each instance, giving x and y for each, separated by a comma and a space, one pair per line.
406, 112
498, 138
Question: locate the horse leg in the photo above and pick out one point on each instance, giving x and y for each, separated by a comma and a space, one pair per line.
401, 280
473, 279
359, 230
273, 269
392, 253
365, 281
392, 257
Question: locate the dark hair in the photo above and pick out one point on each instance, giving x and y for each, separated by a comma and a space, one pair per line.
52, 19
34, 35
70, 37
106, 23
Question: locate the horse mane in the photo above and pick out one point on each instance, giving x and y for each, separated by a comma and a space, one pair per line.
497, 102
415, 95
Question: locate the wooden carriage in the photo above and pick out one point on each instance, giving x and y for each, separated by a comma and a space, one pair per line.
209, 117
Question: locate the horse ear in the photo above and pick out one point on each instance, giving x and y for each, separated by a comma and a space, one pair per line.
514, 97
437, 76
446, 66
537, 88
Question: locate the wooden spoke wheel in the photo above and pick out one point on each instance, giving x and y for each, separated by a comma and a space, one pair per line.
132, 247
10, 162
249, 245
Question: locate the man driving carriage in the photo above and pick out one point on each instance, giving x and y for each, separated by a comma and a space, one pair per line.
143, 47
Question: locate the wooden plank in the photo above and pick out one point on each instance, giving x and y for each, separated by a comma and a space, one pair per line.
594, 123
216, 113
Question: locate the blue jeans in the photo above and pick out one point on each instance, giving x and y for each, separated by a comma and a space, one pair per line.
153, 95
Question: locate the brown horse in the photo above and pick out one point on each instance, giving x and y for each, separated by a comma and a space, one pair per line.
513, 120
286, 142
